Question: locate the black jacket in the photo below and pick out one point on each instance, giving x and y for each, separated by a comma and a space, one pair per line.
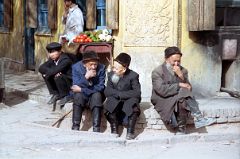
127, 90
49, 68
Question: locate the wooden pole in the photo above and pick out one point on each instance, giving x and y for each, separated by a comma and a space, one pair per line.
61, 118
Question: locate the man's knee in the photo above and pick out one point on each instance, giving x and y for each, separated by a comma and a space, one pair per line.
97, 96
96, 100
78, 99
59, 78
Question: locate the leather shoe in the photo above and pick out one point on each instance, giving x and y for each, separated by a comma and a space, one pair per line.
53, 99
64, 100
75, 127
202, 122
181, 130
130, 136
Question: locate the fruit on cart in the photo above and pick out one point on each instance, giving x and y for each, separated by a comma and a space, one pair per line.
93, 36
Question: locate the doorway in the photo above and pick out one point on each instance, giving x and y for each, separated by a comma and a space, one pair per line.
29, 44
226, 73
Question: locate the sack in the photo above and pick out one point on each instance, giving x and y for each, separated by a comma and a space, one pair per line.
72, 48
74, 58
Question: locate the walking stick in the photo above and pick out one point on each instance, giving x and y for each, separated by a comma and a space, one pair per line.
61, 119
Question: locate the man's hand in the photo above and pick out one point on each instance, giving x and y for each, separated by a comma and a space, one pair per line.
178, 72
58, 74
185, 85
76, 89
90, 73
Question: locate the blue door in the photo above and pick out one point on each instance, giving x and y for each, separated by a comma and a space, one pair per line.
29, 48
28, 43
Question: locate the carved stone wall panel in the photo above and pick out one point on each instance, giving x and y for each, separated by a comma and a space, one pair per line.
150, 23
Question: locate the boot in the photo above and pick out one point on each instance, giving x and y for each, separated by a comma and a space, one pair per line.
131, 126
181, 129
112, 119
96, 117
77, 116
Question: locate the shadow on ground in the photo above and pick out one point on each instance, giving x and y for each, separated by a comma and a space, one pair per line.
11, 99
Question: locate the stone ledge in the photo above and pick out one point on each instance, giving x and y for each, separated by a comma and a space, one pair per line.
150, 119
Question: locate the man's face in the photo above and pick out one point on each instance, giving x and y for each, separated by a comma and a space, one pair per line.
54, 55
68, 3
118, 69
91, 65
174, 60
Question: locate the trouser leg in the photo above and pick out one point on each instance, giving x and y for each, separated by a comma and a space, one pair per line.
52, 88
199, 120
96, 103
78, 103
96, 118
182, 117
76, 116
63, 84
131, 126
51, 85
193, 106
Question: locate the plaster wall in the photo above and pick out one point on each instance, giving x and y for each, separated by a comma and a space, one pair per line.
232, 77
148, 27
202, 57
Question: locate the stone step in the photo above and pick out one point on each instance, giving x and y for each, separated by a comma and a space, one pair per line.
224, 108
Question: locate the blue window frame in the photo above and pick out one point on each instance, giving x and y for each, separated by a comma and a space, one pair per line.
43, 17
101, 14
1, 14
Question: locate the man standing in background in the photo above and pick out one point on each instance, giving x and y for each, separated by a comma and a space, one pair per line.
73, 21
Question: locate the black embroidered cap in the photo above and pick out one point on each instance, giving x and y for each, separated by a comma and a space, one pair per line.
124, 59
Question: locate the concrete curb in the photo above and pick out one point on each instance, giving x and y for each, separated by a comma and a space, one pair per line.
83, 138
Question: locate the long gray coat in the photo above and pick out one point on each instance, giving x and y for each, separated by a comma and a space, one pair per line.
127, 90
166, 91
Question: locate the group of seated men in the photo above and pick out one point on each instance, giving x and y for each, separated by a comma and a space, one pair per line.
83, 83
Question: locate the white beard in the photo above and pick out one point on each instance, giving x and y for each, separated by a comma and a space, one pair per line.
115, 78
170, 68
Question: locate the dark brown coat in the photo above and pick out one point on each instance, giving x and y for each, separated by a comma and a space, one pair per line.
166, 91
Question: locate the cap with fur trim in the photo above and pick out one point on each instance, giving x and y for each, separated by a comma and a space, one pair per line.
90, 55
171, 51
124, 59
